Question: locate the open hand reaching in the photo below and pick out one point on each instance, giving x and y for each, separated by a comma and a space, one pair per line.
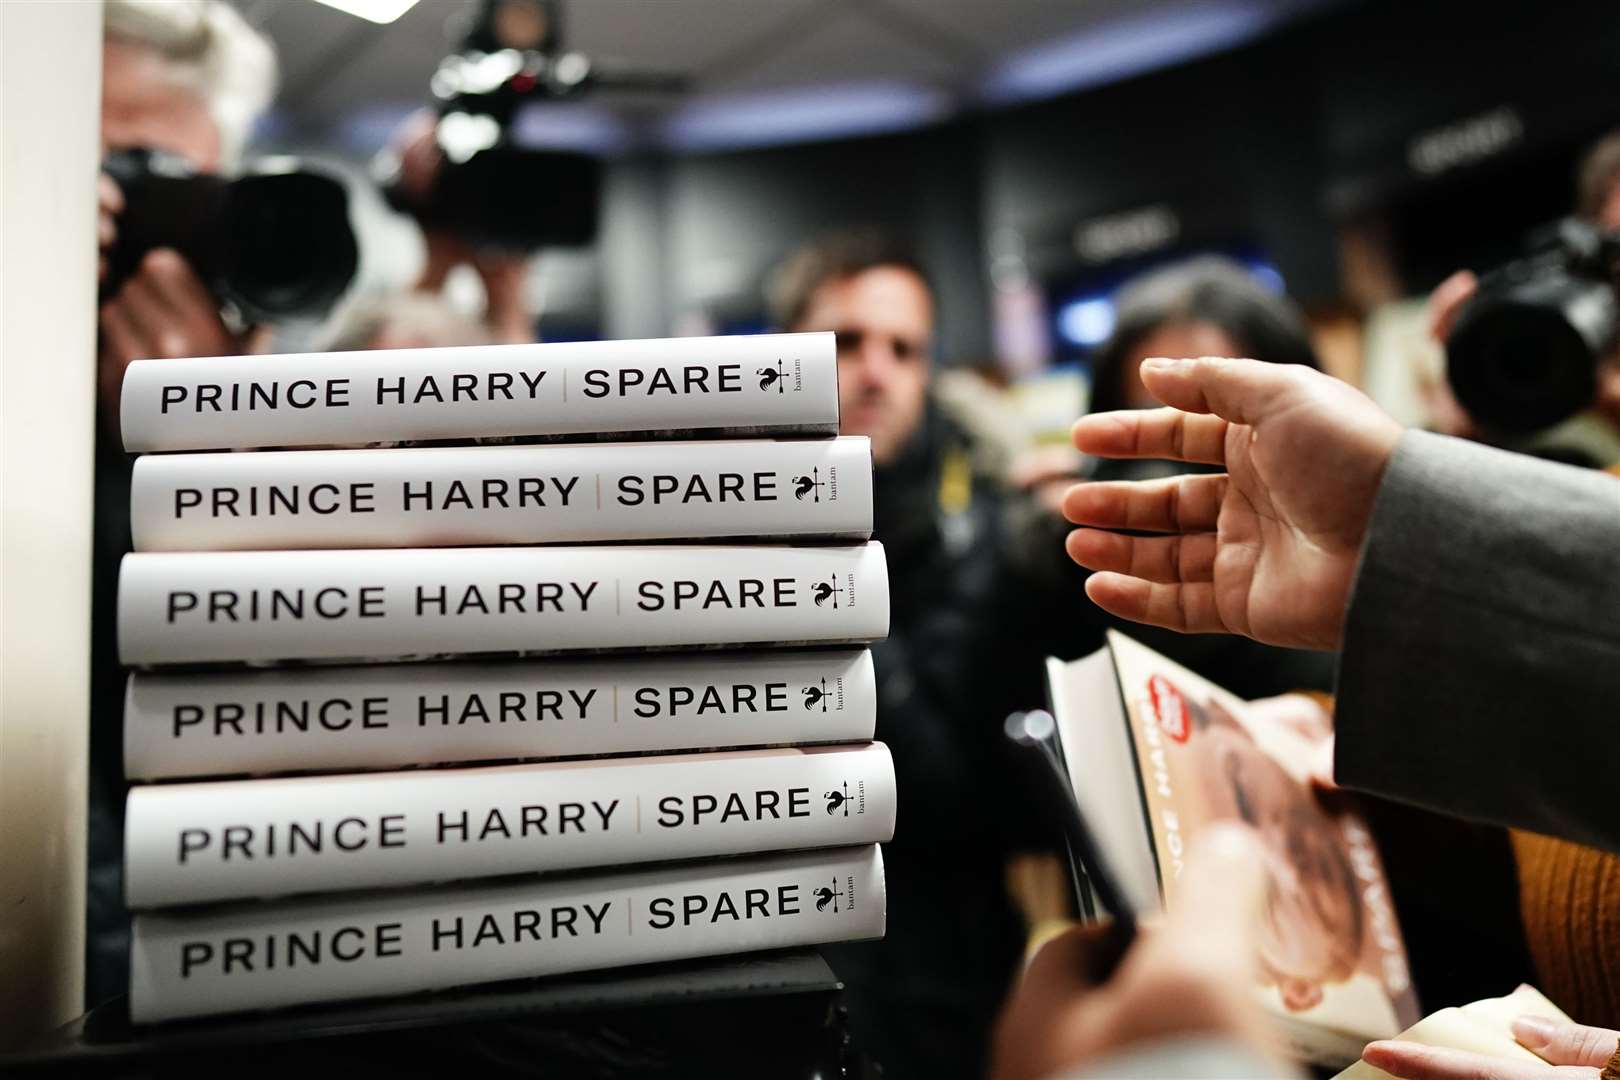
1269, 548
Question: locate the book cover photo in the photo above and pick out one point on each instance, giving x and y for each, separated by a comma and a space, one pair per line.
1332, 960
1330, 949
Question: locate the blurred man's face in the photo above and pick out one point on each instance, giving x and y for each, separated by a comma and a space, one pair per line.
884, 319
142, 105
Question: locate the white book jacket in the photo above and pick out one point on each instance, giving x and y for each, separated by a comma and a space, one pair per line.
224, 840
262, 956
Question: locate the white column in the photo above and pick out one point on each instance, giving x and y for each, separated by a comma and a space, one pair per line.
50, 97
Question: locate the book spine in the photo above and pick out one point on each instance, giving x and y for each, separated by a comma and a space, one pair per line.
486, 495
267, 955
757, 384
191, 843
396, 715
324, 605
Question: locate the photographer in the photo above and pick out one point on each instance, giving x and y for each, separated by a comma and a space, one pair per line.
508, 317
1598, 204
188, 79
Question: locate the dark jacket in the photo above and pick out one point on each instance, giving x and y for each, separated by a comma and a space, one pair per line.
922, 1001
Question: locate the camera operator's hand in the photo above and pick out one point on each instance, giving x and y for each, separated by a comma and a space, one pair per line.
506, 309
1185, 978
504, 274
1447, 301
1445, 414
109, 204
1268, 549
163, 311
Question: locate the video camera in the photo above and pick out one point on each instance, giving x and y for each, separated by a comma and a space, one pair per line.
1524, 351
275, 243
489, 188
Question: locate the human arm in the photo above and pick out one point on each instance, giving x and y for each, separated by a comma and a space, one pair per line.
1481, 665
1568, 1052
1268, 548
1175, 999
162, 311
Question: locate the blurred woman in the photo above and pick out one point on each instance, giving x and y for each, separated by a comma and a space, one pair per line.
1208, 306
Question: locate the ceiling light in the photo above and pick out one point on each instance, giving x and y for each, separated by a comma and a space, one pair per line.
377, 11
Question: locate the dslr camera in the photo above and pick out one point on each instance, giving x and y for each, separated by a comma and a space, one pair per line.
1524, 351
274, 244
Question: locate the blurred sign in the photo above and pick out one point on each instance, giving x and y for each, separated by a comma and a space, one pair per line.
1465, 142
1133, 232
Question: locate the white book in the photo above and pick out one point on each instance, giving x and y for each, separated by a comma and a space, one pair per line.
178, 608
1482, 1027
395, 715
193, 843
263, 956
475, 495
766, 383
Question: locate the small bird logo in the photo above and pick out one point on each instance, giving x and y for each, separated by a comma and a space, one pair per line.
826, 895
838, 800
824, 591
769, 377
816, 695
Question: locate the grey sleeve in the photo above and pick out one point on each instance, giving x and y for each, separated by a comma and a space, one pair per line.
1480, 673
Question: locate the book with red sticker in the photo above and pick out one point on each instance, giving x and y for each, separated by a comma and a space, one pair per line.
1156, 753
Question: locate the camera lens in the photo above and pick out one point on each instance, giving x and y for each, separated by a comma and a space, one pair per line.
290, 246
1525, 357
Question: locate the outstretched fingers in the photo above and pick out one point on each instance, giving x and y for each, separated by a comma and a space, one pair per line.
1177, 504
1189, 608
1567, 1044
1165, 559
1170, 434
1237, 390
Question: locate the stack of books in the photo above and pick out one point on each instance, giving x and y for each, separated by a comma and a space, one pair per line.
703, 704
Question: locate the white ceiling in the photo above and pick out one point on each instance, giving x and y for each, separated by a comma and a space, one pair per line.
344, 80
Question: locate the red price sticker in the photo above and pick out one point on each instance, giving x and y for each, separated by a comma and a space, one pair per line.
1169, 708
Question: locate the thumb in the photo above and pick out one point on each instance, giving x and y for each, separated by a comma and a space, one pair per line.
1567, 1044
1241, 391
1216, 922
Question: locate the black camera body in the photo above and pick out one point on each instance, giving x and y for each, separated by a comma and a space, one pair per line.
493, 190
508, 198
1524, 351
274, 245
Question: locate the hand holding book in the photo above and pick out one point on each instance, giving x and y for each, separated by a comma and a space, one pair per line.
1522, 1036
1266, 550
1568, 1052
1175, 981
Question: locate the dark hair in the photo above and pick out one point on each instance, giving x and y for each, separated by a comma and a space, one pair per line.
1599, 173
1210, 289
836, 255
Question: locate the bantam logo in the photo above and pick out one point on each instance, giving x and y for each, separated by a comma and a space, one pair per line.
828, 895
809, 487
1169, 708
772, 377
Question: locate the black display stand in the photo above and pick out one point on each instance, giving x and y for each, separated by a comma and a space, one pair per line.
766, 1015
